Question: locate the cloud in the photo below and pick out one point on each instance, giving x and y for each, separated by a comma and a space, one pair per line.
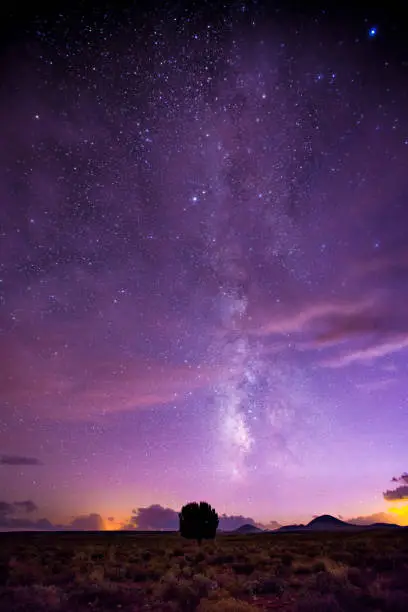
342, 328
6, 508
88, 387
229, 523
27, 506
385, 346
280, 322
154, 517
9, 510
111, 519
88, 522
378, 517
400, 492
18, 460
270, 526
373, 319
403, 478
9, 520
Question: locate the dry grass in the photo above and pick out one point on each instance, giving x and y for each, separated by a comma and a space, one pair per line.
132, 572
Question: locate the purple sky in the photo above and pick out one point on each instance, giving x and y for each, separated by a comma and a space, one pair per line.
204, 268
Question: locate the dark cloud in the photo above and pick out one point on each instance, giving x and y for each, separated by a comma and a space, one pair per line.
378, 517
402, 479
310, 316
376, 326
27, 506
9, 520
153, 517
270, 526
229, 523
342, 328
6, 509
111, 519
10, 523
400, 492
18, 460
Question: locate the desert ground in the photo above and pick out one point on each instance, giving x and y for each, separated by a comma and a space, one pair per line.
132, 571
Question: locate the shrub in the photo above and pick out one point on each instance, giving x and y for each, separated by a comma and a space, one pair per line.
178, 590
4, 572
287, 559
243, 568
267, 586
319, 566
222, 559
226, 605
329, 582
318, 604
358, 577
395, 601
183, 591
107, 596
33, 598
301, 568
203, 585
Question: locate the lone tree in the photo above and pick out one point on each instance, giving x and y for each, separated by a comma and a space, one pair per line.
198, 521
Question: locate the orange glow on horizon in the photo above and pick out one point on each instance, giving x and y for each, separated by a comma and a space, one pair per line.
401, 512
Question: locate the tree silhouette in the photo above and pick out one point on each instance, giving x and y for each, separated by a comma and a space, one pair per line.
198, 521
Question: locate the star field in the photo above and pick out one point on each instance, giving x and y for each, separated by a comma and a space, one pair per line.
203, 264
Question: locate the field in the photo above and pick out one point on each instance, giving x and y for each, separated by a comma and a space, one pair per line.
131, 572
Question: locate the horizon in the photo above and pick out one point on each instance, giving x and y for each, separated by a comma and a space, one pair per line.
158, 518
228, 523
203, 265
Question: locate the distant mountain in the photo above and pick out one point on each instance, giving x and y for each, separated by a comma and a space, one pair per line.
326, 522
248, 528
383, 526
291, 528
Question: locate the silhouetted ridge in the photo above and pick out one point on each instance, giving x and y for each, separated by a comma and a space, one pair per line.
327, 519
384, 526
248, 528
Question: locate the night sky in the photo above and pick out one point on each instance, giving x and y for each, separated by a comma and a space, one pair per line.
204, 265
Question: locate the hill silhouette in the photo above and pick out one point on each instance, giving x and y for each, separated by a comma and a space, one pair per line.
248, 528
326, 522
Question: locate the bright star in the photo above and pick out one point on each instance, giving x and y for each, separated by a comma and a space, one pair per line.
372, 32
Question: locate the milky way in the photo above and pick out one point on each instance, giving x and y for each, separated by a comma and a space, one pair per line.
203, 264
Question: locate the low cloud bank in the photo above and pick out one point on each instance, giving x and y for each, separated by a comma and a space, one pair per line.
17, 515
